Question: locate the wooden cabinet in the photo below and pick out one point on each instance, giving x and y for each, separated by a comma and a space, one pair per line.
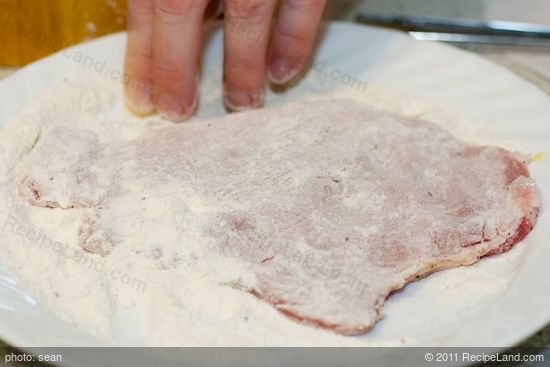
31, 29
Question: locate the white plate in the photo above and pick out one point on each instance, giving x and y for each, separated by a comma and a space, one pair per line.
497, 302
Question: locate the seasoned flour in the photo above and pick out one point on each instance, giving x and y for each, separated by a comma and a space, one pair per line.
133, 298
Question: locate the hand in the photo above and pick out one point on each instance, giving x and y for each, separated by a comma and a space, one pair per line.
164, 43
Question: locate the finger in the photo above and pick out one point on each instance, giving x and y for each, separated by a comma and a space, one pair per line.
177, 30
293, 38
214, 9
138, 63
247, 28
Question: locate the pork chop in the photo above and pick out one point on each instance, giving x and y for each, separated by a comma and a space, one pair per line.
332, 204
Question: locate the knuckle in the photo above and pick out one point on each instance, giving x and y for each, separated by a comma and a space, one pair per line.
242, 71
176, 7
290, 43
138, 64
304, 5
167, 72
140, 7
247, 9
241, 66
138, 54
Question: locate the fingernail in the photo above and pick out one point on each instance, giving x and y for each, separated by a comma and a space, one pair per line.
170, 108
139, 98
238, 100
280, 71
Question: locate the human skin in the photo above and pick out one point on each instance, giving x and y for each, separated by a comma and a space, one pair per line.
264, 40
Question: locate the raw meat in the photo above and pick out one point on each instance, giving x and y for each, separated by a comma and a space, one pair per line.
332, 204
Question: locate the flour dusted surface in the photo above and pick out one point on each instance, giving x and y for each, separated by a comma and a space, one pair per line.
180, 294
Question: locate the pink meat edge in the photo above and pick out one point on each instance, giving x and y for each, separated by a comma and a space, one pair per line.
523, 229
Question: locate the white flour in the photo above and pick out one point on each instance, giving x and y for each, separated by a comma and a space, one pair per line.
125, 298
